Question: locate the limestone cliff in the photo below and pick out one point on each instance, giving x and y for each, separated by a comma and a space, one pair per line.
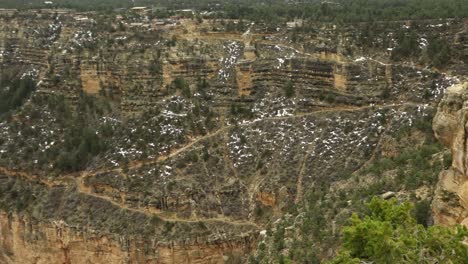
184, 142
26, 241
450, 205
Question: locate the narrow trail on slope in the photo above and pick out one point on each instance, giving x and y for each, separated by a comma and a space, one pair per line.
140, 163
299, 188
28, 176
81, 188
137, 164
158, 213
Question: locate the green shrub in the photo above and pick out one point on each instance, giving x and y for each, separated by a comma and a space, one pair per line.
389, 233
14, 92
289, 90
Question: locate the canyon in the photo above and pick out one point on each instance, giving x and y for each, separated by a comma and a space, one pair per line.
182, 141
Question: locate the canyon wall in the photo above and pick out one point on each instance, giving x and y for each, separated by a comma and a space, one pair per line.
142, 145
450, 205
23, 241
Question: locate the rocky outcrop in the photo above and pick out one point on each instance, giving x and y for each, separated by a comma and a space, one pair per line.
24, 241
203, 138
450, 205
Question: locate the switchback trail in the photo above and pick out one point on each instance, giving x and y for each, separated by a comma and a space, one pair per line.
140, 163
81, 188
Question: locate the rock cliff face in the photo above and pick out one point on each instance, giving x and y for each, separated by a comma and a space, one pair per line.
26, 242
180, 145
450, 125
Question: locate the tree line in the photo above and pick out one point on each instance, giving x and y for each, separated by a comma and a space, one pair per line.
272, 10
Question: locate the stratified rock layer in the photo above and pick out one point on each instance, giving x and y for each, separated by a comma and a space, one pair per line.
209, 135
450, 205
24, 241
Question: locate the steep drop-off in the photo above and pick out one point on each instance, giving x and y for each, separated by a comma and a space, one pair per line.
177, 141
450, 126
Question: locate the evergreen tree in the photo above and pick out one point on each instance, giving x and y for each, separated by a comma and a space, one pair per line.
289, 90
390, 234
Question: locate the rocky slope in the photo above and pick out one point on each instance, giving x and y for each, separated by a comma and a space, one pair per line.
451, 203
179, 141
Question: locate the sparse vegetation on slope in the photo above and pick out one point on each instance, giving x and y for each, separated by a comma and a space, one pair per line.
212, 131
14, 91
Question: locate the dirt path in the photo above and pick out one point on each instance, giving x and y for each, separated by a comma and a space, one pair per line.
28, 176
140, 163
81, 188
158, 213
299, 188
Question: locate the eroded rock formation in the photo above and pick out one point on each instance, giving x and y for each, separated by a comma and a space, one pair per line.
26, 241
204, 137
450, 205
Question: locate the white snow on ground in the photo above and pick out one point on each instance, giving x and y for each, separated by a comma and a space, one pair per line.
360, 59
228, 63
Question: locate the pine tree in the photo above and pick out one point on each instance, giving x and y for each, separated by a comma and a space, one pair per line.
390, 234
